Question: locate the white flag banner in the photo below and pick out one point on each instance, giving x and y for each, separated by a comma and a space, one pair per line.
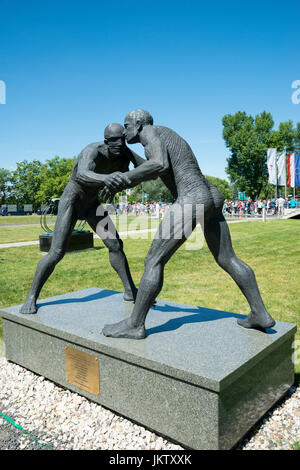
271, 161
281, 164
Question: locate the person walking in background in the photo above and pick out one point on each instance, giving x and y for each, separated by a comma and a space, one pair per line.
259, 207
281, 202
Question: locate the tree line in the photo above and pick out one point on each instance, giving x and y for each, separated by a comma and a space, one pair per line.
247, 137
35, 182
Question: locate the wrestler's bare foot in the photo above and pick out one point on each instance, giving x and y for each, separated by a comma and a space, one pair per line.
124, 329
29, 307
258, 322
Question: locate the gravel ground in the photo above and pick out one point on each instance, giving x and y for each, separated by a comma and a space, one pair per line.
63, 420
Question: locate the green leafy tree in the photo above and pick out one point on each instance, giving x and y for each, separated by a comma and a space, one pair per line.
34, 182
55, 175
222, 185
297, 139
156, 190
26, 180
5, 185
285, 137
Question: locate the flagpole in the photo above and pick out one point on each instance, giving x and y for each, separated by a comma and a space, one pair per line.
285, 173
276, 173
294, 175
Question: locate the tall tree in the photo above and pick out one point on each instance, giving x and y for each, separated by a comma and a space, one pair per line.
248, 139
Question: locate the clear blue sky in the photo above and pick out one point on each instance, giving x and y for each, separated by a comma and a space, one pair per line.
71, 67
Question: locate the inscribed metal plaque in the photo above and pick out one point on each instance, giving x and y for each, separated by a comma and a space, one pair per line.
82, 370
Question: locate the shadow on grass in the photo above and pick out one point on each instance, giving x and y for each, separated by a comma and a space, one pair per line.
199, 314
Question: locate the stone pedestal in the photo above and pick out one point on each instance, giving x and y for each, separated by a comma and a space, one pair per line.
198, 378
79, 240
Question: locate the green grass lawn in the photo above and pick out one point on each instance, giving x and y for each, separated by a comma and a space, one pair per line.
20, 219
22, 232
272, 249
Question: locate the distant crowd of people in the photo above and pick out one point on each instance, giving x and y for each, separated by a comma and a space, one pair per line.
236, 207
153, 209
274, 206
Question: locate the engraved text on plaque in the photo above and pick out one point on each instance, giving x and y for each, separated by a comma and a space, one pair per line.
82, 370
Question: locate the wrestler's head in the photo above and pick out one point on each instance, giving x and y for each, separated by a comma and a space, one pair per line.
134, 123
114, 138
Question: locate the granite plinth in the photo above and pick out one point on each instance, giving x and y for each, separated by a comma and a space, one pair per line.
198, 378
79, 240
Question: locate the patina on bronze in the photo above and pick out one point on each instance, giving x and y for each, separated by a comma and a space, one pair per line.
82, 370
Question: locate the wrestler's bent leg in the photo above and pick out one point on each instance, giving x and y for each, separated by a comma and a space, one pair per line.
102, 224
169, 237
218, 239
64, 225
